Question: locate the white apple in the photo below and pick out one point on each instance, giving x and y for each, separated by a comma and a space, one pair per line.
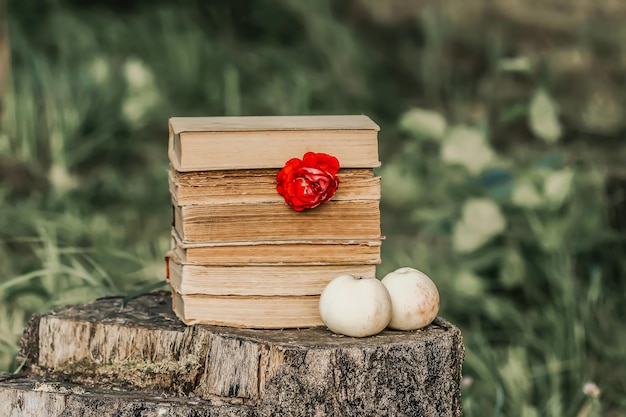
414, 298
355, 306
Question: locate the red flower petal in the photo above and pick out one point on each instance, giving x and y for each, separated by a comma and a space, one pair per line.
309, 182
321, 161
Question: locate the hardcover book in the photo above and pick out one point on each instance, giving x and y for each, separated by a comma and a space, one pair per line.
347, 220
256, 312
265, 280
281, 252
247, 142
259, 186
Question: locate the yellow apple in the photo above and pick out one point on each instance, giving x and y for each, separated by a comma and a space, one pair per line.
355, 306
414, 298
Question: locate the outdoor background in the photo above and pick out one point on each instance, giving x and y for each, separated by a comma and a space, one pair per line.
502, 148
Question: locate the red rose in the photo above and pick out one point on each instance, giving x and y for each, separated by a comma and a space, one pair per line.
308, 182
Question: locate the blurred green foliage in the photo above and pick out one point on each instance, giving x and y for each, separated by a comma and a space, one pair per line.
501, 131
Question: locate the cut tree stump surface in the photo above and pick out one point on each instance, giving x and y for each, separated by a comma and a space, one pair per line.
96, 351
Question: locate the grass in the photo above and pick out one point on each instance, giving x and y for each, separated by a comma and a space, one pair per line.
535, 287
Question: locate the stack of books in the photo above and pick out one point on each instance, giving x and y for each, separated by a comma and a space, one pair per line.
240, 256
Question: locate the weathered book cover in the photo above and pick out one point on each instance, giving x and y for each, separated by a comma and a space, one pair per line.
249, 142
277, 312
259, 186
344, 220
287, 252
264, 280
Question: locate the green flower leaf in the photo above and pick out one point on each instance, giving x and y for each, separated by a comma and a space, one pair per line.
513, 269
482, 220
557, 186
400, 188
467, 146
543, 117
526, 195
423, 123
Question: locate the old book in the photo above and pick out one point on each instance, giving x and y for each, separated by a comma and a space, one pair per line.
288, 252
263, 280
259, 186
343, 220
248, 142
272, 312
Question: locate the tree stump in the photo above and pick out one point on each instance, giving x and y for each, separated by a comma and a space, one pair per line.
103, 359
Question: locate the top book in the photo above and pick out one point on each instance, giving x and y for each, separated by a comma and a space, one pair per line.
257, 142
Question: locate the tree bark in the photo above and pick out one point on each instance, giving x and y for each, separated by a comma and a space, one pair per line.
101, 347
35, 397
